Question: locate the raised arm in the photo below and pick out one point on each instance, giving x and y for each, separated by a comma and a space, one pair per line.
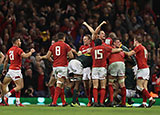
99, 27
95, 34
26, 55
89, 27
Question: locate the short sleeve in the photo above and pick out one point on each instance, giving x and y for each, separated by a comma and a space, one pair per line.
136, 49
51, 48
20, 51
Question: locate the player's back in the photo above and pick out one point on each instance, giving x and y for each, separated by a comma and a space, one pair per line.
14, 54
116, 57
99, 56
141, 56
60, 50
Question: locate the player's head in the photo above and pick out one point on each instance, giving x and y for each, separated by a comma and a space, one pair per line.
116, 42
137, 40
98, 42
16, 41
102, 35
87, 39
61, 36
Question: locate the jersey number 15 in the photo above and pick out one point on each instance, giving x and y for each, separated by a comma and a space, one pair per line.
98, 54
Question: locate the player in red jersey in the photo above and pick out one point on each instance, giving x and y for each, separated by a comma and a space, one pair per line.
86, 71
143, 70
116, 70
97, 33
99, 55
60, 50
15, 55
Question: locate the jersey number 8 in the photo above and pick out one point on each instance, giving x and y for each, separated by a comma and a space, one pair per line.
58, 50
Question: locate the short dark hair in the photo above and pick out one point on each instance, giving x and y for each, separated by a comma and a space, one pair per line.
89, 36
15, 39
138, 38
98, 42
115, 39
60, 35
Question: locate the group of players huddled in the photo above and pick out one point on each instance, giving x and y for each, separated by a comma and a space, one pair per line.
101, 63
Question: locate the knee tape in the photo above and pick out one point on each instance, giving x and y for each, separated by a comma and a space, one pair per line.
111, 80
59, 82
121, 80
139, 88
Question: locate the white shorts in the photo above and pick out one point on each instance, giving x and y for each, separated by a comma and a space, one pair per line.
99, 73
14, 74
75, 67
86, 73
143, 74
60, 72
135, 69
117, 69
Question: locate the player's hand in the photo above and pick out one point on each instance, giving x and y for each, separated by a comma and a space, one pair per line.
32, 50
84, 23
120, 49
4, 72
104, 22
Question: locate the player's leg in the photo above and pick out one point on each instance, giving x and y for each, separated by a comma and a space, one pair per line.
102, 77
113, 72
121, 81
76, 90
51, 86
95, 91
58, 90
61, 76
143, 75
102, 92
87, 84
111, 80
95, 80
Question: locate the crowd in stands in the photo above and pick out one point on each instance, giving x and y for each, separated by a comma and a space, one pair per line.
37, 21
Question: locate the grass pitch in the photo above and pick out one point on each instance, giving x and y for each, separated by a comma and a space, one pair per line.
45, 110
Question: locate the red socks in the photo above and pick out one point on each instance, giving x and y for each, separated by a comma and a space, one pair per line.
58, 91
110, 93
18, 94
62, 96
102, 95
146, 93
12, 91
95, 95
144, 98
123, 91
52, 90
89, 95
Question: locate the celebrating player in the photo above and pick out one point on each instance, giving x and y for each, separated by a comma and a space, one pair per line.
60, 50
15, 55
143, 70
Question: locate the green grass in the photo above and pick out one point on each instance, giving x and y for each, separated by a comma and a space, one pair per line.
44, 110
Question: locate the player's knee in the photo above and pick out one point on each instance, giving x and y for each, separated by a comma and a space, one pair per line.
59, 83
111, 81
